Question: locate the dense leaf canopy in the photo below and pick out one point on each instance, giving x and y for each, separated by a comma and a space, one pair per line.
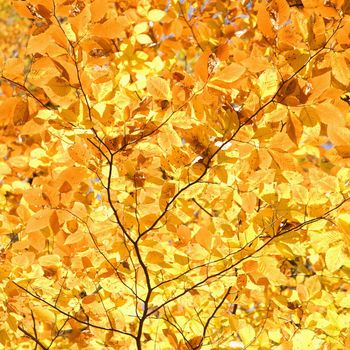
175, 174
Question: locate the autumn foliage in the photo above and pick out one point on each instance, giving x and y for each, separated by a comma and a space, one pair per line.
175, 174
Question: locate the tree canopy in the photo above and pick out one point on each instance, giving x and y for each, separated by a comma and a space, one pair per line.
174, 174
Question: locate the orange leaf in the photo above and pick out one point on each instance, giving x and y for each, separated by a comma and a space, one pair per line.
155, 258
158, 88
204, 238
230, 73
39, 220
264, 20
79, 152
201, 66
74, 238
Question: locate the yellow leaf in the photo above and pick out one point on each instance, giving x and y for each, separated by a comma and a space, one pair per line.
101, 91
303, 293
140, 28
293, 177
110, 284
304, 340
155, 15
4, 169
144, 39
246, 333
49, 260
44, 314
343, 300
313, 285
248, 201
195, 326
300, 194
335, 258
343, 223
268, 83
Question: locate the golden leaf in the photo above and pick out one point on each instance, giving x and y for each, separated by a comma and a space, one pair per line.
158, 88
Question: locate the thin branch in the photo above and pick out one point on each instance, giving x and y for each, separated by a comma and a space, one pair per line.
191, 27
244, 258
37, 341
70, 315
58, 333
205, 210
34, 328
25, 89
219, 149
217, 308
